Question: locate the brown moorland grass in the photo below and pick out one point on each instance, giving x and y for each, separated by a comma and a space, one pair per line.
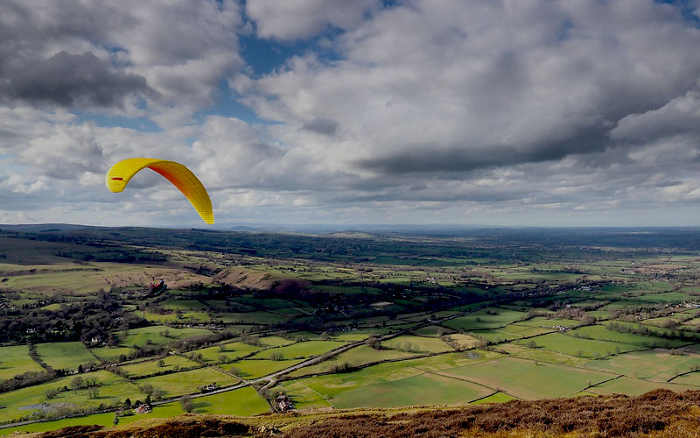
657, 414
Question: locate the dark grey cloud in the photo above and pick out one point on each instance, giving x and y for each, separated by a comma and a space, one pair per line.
72, 81
101, 54
297, 19
463, 158
321, 126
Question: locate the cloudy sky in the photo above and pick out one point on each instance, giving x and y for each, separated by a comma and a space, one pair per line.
512, 112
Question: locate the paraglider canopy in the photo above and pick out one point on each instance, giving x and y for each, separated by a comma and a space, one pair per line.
121, 173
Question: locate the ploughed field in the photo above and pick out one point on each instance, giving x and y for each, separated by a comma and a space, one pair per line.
255, 322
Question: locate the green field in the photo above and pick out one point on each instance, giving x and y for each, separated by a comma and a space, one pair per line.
257, 318
630, 386
509, 333
656, 365
111, 354
332, 385
550, 323
275, 341
299, 350
484, 319
417, 344
359, 335
354, 357
187, 382
304, 397
23, 402
541, 355
498, 397
423, 389
105, 420
666, 297
242, 402
692, 379
577, 346
65, 355
432, 330
601, 333
169, 318
148, 368
526, 379
15, 360
463, 342
159, 335
183, 305
252, 368
231, 351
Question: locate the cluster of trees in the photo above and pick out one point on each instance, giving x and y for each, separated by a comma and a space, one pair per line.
640, 329
152, 393
408, 347
92, 384
29, 378
84, 321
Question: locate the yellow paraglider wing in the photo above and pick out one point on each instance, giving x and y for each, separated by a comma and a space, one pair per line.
121, 173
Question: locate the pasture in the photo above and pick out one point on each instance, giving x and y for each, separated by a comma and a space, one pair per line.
550, 323
148, 368
541, 355
526, 379
255, 318
254, 368
359, 335
656, 365
65, 355
158, 335
304, 397
462, 342
509, 333
353, 358
489, 318
432, 330
111, 354
231, 351
579, 347
417, 344
274, 341
497, 397
333, 384
422, 389
98, 419
243, 402
601, 333
23, 402
299, 350
187, 382
15, 360
691, 379
633, 387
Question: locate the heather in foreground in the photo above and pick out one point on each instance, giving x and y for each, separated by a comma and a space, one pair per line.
659, 413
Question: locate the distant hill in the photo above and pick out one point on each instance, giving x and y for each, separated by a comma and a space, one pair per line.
38, 228
659, 413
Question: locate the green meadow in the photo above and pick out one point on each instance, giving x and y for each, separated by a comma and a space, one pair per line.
15, 360
188, 382
65, 355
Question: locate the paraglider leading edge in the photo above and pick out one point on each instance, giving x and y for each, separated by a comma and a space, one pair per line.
180, 176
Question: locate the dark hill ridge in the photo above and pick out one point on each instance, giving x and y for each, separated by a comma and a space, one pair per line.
659, 413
